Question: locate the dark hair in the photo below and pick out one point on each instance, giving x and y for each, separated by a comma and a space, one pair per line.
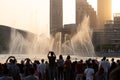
68, 57
104, 58
42, 60
51, 52
112, 59
60, 57
81, 60
11, 60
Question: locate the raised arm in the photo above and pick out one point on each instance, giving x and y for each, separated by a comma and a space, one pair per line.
27, 59
54, 55
48, 54
10, 58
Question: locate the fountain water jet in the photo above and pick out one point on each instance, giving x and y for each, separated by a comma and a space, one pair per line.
80, 44
82, 40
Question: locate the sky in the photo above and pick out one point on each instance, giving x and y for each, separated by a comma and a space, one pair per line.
33, 15
93, 3
116, 4
30, 15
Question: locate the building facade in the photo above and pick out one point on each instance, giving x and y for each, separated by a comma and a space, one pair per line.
56, 16
108, 39
104, 10
84, 9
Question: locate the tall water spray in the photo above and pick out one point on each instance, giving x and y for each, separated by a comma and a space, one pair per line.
82, 40
80, 44
33, 43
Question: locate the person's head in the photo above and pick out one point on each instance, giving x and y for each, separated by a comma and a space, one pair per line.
118, 61
46, 62
22, 62
107, 60
115, 74
112, 59
27, 61
60, 57
81, 61
14, 61
42, 60
104, 58
36, 62
68, 57
51, 52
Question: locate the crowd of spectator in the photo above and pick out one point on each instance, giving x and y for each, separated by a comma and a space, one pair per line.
60, 69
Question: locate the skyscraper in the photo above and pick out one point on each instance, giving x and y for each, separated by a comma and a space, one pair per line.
56, 16
104, 12
83, 8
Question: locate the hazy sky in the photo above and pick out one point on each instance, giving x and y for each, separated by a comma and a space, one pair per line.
93, 3
33, 15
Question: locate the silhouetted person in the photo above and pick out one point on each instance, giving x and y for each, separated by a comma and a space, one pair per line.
6, 74
1, 70
42, 69
52, 65
31, 75
106, 66
21, 66
79, 70
100, 74
89, 72
13, 68
95, 66
27, 65
113, 65
60, 65
115, 74
67, 68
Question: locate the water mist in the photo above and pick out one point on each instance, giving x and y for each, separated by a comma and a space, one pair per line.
80, 44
